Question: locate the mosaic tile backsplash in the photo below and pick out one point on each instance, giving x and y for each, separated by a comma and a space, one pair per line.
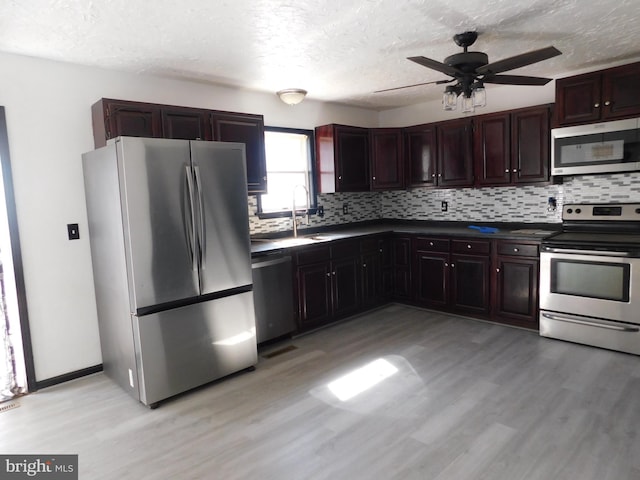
527, 204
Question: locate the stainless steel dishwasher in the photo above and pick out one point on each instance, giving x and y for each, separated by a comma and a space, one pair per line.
273, 296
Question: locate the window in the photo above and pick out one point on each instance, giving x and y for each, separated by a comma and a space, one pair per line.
289, 168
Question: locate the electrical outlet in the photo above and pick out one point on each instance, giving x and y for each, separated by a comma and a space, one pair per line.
320, 211
444, 206
72, 231
345, 208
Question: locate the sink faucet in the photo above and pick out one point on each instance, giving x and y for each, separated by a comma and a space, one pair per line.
294, 216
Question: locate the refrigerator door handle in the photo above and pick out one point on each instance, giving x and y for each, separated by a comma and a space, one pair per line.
191, 228
201, 225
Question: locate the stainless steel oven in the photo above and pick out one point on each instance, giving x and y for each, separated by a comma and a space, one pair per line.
590, 277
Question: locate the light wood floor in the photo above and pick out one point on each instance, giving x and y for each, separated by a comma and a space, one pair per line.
470, 400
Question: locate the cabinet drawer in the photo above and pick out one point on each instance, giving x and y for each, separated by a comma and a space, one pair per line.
478, 247
426, 244
350, 248
313, 255
518, 249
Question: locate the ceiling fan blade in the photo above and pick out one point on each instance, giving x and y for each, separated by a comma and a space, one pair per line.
435, 65
515, 80
518, 61
437, 82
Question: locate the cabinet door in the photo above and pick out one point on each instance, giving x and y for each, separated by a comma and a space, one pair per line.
371, 276
386, 159
352, 159
530, 144
470, 283
431, 279
517, 291
131, 119
578, 99
492, 144
185, 123
247, 129
420, 155
455, 162
345, 275
314, 295
401, 253
621, 92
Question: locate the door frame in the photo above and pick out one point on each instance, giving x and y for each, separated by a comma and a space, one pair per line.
16, 253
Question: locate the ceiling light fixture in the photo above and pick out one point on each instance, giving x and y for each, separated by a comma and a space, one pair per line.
292, 96
471, 95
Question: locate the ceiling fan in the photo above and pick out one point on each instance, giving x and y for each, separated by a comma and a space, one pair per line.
471, 70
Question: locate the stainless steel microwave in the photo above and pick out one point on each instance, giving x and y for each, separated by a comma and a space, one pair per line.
596, 148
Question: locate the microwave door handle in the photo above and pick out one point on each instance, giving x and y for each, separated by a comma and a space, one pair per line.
586, 252
590, 323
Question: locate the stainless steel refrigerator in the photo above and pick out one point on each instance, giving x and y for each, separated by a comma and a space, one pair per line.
169, 235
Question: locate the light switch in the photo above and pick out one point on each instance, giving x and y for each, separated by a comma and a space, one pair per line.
72, 230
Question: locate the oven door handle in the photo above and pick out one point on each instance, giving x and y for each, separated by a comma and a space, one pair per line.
586, 252
591, 323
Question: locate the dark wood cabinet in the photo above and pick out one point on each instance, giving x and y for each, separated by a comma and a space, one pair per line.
387, 162
470, 282
373, 253
345, 281
455, 155
112, 118
420, 155
314, 295
598, 96
431, 271
401, 254
186, 124
512, 147
247, 129
530, 144
516, 283
492, 149
342, 158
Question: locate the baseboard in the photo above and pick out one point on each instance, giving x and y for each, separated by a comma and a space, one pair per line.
49, 382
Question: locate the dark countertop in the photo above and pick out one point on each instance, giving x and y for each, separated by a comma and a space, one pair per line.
514, 231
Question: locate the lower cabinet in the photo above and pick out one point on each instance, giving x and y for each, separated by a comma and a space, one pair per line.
515, 283
478, 277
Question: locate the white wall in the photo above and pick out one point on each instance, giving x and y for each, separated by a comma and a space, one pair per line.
49, 126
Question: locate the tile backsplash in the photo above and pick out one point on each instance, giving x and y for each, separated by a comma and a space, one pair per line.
527, 204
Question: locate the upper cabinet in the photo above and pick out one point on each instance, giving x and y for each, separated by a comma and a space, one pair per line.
386, 159
512, 147
113, 118
342, 158
598, 96
420, 155
455, 160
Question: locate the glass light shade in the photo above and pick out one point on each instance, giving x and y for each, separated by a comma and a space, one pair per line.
449, 100
479, 96
292, 96
467, 104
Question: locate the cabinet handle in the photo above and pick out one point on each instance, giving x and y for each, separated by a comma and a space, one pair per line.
433, 175
453, 265
446, 264
431, 244
516, 249
468, 246
373, 178
597, 105
439, 175
607, 103
380, 250
514, 170
328, 274
506, 171
364, 265
334, 274
339, 177
497, 270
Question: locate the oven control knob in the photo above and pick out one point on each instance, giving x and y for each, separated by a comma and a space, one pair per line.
569, 210
578, 210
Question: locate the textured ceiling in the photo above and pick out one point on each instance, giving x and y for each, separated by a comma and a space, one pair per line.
339, 50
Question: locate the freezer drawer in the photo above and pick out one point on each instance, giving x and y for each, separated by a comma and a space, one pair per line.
183, 348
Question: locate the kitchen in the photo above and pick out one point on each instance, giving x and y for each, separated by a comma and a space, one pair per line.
49, 126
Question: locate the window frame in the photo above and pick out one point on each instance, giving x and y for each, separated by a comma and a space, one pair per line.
313, 200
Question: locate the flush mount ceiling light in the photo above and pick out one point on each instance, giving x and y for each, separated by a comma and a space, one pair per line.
292, 96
